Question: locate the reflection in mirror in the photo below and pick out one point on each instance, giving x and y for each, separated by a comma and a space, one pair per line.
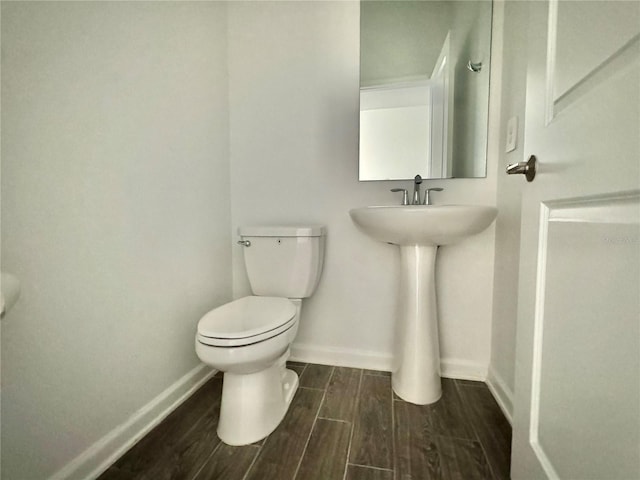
424, 88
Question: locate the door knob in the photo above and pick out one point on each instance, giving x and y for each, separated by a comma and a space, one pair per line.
528, 168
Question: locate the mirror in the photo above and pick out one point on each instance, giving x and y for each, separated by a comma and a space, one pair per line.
424, 88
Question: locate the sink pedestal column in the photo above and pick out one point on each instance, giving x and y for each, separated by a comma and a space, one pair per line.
416, 367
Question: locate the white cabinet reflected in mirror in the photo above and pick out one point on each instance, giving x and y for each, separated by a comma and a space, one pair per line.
424, 88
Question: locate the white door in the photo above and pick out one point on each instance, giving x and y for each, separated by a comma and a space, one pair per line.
577, 400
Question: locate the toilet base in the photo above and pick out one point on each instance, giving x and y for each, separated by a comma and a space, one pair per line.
253, 405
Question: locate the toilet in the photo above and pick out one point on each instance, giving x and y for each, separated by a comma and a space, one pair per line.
249, 339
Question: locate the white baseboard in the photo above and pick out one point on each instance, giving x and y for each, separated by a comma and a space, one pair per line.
342, 357
463, 369
502, 393
102, 454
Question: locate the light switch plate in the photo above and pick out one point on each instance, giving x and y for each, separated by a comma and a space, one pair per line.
512, 134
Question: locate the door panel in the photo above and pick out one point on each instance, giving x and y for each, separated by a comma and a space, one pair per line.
579, 54
571, 392
577, 398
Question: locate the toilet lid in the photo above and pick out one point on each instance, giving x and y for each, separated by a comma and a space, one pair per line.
246, 320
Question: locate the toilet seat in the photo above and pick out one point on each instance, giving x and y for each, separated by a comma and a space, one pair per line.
246, 321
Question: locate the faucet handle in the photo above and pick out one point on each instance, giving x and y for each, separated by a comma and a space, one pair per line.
405, 195
427, 199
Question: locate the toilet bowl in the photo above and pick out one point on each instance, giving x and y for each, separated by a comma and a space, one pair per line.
249, 339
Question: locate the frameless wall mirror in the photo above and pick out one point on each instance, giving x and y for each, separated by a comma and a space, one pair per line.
424, 88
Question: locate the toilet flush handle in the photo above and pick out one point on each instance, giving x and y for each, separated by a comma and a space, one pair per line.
245, 243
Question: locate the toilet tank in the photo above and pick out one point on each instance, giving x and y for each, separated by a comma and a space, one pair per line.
284, 261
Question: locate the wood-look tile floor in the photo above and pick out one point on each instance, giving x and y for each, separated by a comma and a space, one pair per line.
343, 424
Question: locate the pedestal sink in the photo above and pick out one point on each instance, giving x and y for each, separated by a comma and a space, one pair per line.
418, 230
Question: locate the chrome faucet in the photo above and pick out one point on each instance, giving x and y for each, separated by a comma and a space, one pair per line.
416, 193
416, 189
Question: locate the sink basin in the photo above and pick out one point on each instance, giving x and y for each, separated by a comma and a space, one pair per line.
423, 224
418, 230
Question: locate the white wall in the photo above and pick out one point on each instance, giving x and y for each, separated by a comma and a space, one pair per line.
115, 213
505, 282
293, 71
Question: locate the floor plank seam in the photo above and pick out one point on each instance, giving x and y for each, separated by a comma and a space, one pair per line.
353, 424
253, 462
475, 431
393, 434
332, 419
371, 467
468, 412
304, 369
315, 421
486, 459
213, 452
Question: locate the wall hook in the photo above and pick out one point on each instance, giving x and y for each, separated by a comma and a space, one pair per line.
474, 67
